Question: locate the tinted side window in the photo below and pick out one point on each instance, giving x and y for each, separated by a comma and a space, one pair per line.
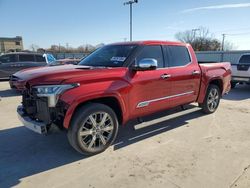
245, 59
40, 58
8, 58
27, 57
153, 52
179, 56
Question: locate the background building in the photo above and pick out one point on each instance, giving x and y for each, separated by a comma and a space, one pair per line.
11, 44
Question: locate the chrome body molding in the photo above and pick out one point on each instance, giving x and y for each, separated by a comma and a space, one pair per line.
146, 103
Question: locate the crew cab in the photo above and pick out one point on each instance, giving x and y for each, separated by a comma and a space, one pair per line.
241, 71
17, 83
117, 83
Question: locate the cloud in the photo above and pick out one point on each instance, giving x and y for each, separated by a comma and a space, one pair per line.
175, 26
224, 6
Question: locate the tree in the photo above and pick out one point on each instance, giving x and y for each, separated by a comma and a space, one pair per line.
68, 49
34, 47
201, 40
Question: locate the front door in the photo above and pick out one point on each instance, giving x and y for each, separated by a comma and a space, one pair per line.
149, 88
26, 61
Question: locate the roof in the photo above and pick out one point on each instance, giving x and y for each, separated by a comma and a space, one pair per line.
10, 39
25, 53
150, 42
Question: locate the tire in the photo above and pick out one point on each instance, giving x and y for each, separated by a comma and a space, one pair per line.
233, 84
89, 134
212, 99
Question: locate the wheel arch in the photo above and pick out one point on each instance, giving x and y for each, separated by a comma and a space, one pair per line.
215, 81
113, 102
218, 82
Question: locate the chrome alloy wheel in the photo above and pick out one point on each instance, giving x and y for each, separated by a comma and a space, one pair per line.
213, 99
96, 130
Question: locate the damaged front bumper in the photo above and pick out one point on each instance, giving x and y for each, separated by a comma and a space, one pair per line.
36, 126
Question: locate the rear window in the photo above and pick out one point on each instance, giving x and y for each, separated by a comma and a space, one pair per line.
179, 56
40, 58
245, 59
27, 57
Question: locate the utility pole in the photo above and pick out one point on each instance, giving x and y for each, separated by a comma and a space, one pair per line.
223, 42
194, 37
130, 3
194, 32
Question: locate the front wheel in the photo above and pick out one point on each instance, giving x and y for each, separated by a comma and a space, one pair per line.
212, 99
93, 129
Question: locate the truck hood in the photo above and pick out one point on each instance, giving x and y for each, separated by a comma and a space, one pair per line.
66, 73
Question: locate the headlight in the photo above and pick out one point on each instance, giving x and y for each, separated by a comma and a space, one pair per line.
52, 92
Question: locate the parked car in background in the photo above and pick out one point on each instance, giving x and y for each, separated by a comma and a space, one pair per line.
13, 62
17, 83
115, 84
241, 71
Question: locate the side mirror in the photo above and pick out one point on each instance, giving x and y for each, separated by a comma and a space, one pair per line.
146, 64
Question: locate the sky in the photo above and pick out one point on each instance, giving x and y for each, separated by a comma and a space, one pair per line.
80, 22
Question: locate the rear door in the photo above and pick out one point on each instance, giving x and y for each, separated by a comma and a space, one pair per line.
149, 88
40, 60
8, 65
185, 75
26, 61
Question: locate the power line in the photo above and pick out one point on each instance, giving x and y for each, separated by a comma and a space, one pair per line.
236, 34
229, 30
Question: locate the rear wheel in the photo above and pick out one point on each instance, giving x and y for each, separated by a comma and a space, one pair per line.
93, 129
212, 99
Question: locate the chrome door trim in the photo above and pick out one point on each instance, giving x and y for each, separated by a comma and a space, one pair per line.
146, 103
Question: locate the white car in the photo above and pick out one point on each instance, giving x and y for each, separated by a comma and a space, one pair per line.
241, 71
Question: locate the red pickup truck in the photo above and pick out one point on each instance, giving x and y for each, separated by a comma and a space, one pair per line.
117, 83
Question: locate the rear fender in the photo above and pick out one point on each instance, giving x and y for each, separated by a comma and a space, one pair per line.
204, 86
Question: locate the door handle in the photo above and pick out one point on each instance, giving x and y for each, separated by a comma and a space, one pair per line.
165, 76
195, 72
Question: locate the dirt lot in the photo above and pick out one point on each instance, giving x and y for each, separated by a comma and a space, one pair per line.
183, 149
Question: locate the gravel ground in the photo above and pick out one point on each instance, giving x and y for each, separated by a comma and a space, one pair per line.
177, 149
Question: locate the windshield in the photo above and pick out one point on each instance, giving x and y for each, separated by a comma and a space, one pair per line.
109, 56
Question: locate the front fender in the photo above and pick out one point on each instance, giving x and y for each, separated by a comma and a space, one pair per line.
84, 99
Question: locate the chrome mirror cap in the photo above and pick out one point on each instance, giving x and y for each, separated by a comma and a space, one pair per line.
146, 64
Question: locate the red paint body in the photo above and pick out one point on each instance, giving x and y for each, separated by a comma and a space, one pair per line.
132, 87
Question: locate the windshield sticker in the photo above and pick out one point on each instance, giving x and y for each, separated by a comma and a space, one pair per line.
121, 59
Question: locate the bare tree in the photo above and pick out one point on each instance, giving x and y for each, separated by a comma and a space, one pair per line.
229, 46
34, 47
201, 39
68, 49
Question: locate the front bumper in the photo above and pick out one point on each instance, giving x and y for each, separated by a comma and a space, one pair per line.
36, 126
